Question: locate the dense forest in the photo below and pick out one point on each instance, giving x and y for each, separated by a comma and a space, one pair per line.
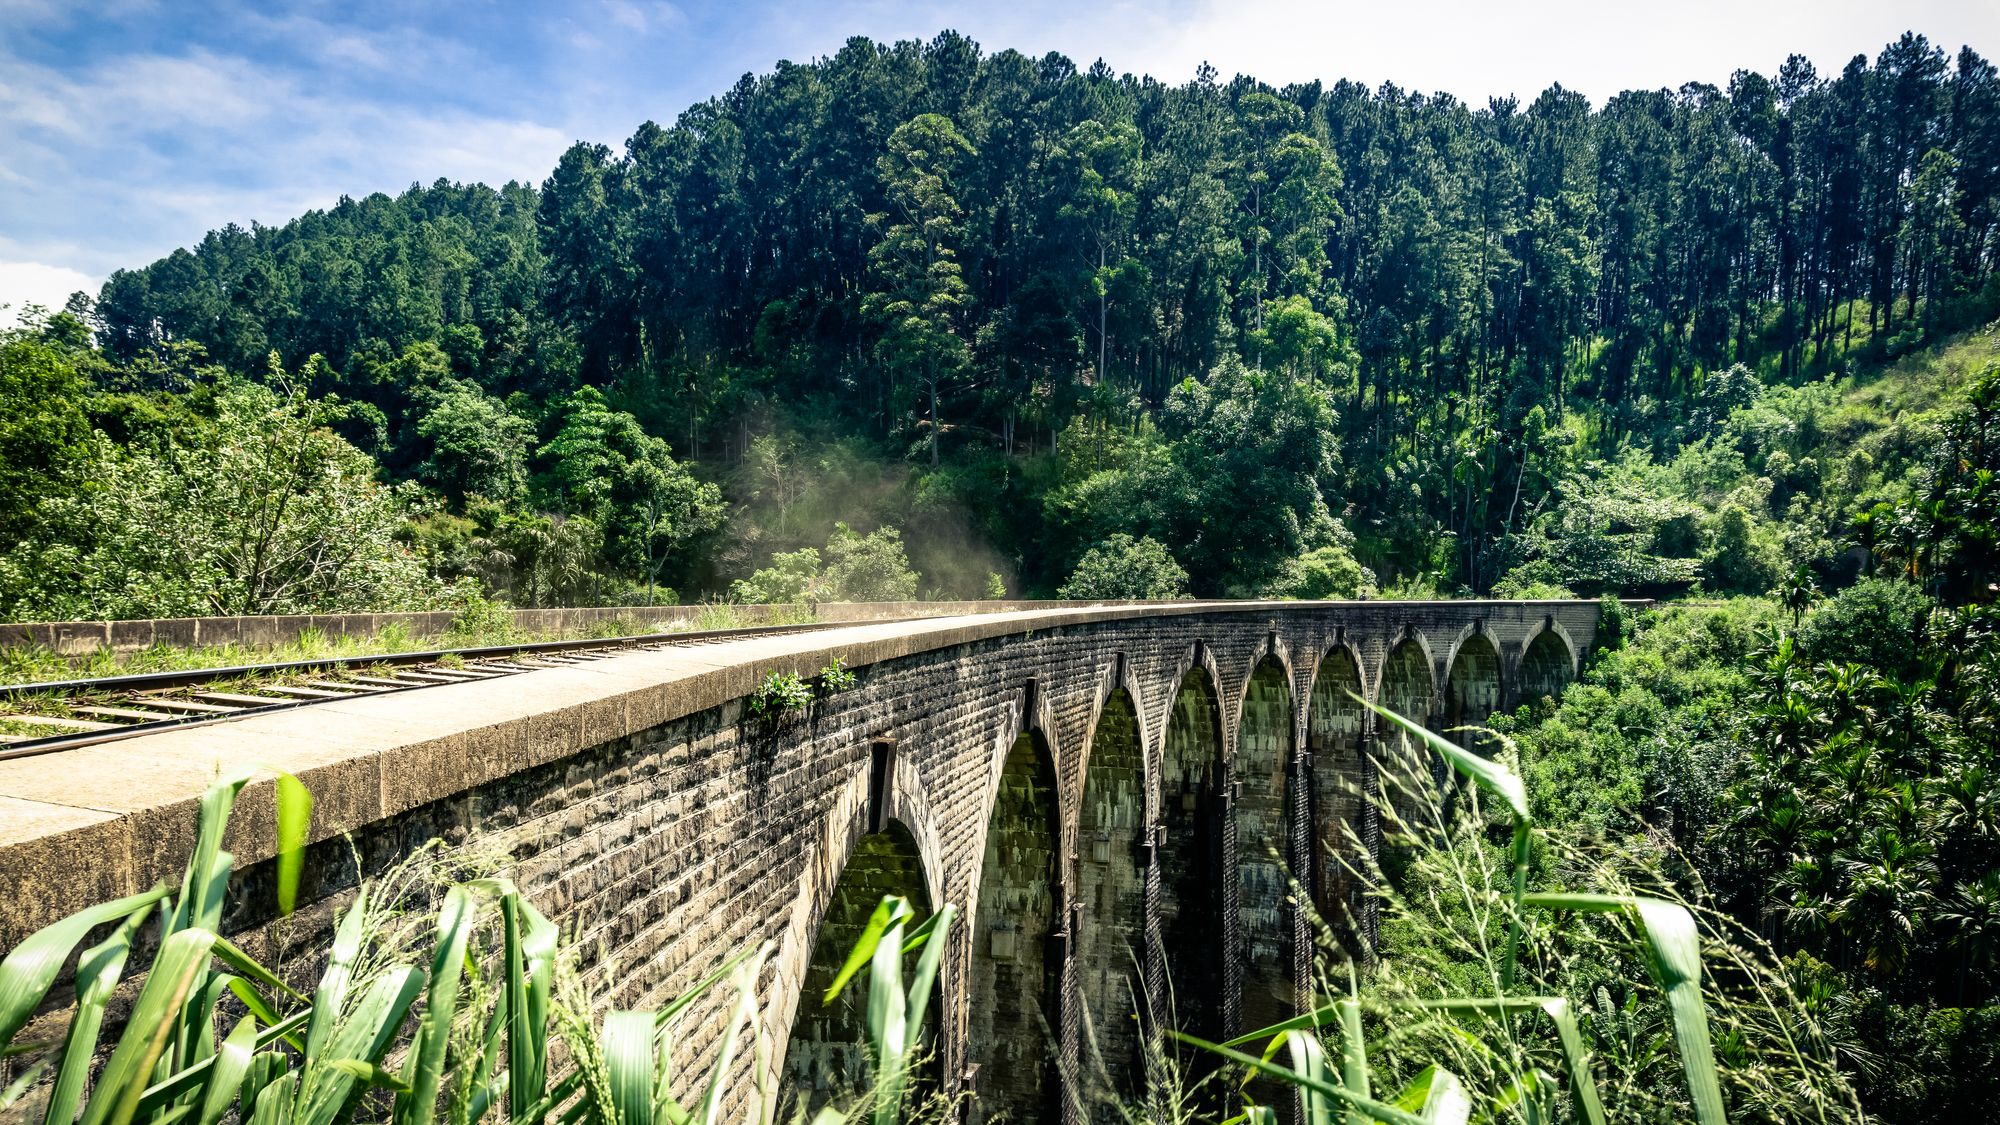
1018, 308
915, 320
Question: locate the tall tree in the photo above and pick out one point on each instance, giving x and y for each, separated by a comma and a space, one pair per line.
920, 293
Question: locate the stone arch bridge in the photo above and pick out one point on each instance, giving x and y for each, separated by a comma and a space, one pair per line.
1113, 796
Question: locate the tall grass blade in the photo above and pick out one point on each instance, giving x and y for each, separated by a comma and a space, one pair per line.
97, 974
227, 952
331, 994
149, 1029
1673, 946
201, 896
366, 1033
1487, 773
1676, 946
265, 1068
927, 964
531, 955
228, 1066
1309, 1059
171, 1088
1436, 1096
1353, 1055
424, 1071
295, 805
888, 1009
1582, 1083
31, 969
275, 1101
722, 973
1445, 1101
628, 1062
198, 1038
371, 1074
892, 911
1369, 1107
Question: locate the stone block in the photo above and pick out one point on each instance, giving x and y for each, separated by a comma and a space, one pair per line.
80, 638
259, 632
130, 636
177, 632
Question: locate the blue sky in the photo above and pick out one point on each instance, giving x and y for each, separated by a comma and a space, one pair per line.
130, 127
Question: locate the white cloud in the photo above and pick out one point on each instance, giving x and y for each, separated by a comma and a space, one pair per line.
35, 283
117, 163
642, 15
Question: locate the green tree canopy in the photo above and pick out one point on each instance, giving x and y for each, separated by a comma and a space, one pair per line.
1124, 567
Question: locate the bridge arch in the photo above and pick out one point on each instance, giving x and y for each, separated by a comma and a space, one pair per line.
1473, 685
1015, 979
826, 1053
1407, 685
1261, 817
1110, 882
1192, 860
1548, 662
1336, 733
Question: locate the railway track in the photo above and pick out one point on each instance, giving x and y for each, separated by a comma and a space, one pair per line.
79, 713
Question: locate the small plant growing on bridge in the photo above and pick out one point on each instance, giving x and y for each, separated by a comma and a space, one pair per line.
835, 678
780, 692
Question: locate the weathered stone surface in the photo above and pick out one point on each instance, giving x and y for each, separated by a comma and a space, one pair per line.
640, 805
83, 637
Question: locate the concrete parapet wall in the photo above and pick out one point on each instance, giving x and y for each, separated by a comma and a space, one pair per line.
82, 638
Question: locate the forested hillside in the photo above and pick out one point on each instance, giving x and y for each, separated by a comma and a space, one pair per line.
1019, 309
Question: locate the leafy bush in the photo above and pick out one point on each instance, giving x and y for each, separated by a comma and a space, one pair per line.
265, 510
44, 433
778, 693
793, 578
1878, 622
1741, 558
836, 677
1492, 999
1322, 573
1124, 567
858, 568
868, 568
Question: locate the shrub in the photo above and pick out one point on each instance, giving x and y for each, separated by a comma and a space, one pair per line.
1124, 567
868, 568
1495, 1000
792, 578
1325, 572
780, 692
1877, 621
